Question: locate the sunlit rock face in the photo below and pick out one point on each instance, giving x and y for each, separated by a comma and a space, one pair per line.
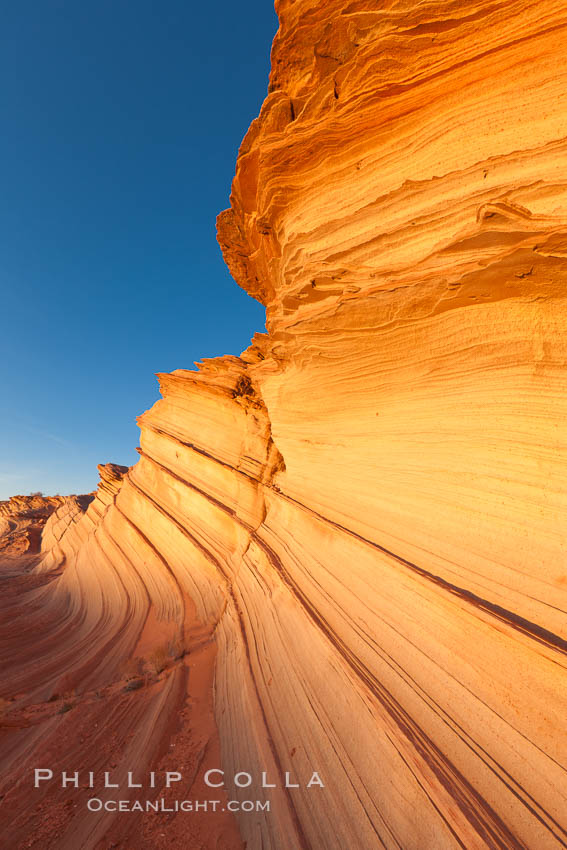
365, 512
400, 207
22, 519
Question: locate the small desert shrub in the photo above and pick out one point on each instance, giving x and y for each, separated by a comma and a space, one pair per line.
65, 687
70, 694
158, 659
176, 648
133, 667
5, 706
134, 685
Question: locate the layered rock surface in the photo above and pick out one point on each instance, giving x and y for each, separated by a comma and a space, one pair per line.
22, 519
364, 513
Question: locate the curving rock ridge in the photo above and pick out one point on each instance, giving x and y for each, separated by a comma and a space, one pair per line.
365, 511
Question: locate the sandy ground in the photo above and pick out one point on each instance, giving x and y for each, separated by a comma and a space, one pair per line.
159, 721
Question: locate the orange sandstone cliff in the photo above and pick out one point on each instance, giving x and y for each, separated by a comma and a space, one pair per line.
360, 521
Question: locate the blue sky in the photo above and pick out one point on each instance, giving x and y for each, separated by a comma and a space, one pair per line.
121, 123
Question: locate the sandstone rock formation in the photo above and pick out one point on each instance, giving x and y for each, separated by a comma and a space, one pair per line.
22, 519
363, 515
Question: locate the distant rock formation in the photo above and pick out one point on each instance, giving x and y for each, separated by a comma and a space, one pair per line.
365, 512
22, 519
36, 503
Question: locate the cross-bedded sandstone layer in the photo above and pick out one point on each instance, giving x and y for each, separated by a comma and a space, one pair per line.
364, 513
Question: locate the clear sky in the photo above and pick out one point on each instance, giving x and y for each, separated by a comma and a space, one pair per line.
120, 125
